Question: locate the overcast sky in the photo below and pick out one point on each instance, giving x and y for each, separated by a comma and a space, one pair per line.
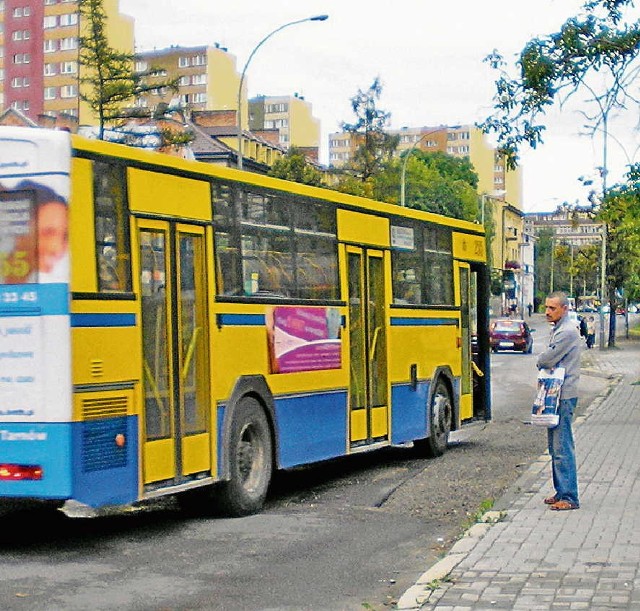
427, 53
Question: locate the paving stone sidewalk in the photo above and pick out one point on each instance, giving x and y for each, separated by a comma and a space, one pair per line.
532, 558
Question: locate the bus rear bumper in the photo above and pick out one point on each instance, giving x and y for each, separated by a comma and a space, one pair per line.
93, 462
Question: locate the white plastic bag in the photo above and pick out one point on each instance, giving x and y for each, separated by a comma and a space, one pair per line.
545, 406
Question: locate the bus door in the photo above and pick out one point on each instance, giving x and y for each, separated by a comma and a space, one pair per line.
368, 397
468, 330
176, 425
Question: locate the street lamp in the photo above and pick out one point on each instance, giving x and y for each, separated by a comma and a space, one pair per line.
244, 71
403, 173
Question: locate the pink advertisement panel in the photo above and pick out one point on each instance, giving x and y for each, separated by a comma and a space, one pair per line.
304, 338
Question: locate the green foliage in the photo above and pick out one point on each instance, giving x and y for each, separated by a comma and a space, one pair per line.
434, 182
621, 211
109, 80
553, 67
375, 146
294, 166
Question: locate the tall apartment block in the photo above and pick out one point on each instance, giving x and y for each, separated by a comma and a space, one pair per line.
292, 116
39, 68
207, 78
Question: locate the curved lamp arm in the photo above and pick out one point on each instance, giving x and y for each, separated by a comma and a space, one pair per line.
244, 71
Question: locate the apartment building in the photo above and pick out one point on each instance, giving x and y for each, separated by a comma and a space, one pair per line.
573, 226
292, 116
207, 78
39, 69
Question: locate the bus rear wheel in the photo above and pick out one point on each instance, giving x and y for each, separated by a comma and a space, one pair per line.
440, 416
250, 460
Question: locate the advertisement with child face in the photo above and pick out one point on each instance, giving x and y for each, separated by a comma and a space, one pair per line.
33, 235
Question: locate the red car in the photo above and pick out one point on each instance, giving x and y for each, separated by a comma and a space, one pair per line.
510, 334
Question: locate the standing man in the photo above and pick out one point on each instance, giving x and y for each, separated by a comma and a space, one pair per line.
563, 351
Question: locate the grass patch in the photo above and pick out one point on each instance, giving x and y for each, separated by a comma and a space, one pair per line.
474, 518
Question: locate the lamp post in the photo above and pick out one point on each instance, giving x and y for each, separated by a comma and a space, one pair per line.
244, 71
403, 173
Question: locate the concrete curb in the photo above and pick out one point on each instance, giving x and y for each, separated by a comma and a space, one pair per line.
421, 591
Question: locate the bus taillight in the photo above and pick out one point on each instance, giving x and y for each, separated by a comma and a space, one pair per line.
20, 472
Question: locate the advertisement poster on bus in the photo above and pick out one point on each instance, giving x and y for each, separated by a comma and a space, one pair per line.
304, 338
34, 280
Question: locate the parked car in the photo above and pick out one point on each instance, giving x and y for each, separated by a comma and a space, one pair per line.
510, 334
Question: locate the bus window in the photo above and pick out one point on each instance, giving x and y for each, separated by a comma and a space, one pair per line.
269, 245
438, 266
422, 264
113, 253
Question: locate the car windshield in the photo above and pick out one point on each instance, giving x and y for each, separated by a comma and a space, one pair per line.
507, 326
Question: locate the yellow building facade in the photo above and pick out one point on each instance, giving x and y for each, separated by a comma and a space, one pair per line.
207, 78
292, 116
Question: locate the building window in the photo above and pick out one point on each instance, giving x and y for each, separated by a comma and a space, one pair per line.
21, 58
50, 46
141, 66
280, 107
67, 44
68, 19
50, 21
183, 81
49, 93
48, 2
199, 79
68, 91
21, 35
1, 74
199, 98
199, 60
183, 62
49, 69
68, 67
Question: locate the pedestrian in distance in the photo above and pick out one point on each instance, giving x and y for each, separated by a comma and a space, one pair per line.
591, 332
564, 350
583, 326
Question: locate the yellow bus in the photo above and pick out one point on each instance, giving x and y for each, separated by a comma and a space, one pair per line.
169, 327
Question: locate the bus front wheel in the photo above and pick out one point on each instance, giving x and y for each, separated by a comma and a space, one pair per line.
250, 459
440, 416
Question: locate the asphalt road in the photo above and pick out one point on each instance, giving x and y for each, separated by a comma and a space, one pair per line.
350, 534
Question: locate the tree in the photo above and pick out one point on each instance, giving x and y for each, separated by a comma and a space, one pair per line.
620, 211
110, 80
603, 41
552, 68
374, 145
435, 182
294, 166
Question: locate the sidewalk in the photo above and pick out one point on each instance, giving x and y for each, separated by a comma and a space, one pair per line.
526, 557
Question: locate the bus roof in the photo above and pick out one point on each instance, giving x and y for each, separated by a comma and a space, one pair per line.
198, 168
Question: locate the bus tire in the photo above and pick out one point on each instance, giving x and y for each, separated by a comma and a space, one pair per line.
250, 460
440, 417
